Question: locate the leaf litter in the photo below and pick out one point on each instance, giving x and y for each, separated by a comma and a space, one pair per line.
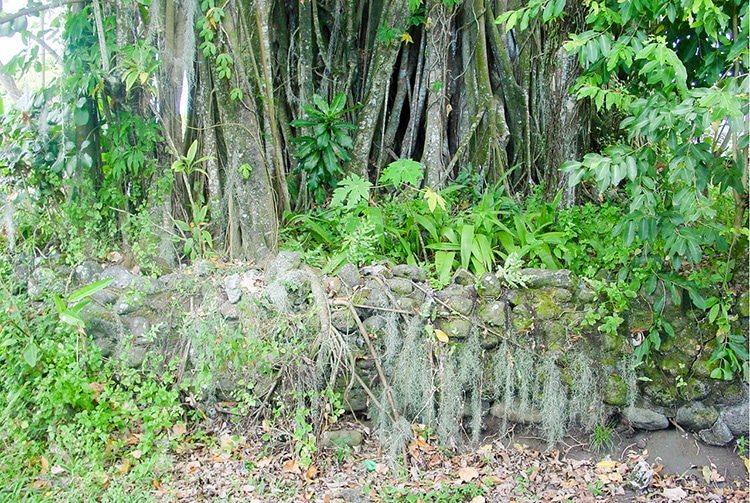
251, 468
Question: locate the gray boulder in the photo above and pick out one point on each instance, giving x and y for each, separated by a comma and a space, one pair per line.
645, 419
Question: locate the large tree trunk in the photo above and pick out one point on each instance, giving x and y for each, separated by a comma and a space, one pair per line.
451, 89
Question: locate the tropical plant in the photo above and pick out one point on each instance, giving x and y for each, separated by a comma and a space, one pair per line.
321, 153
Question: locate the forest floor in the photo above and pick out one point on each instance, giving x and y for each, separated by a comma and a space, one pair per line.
261, 466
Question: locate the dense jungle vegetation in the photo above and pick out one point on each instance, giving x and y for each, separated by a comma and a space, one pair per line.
608, 138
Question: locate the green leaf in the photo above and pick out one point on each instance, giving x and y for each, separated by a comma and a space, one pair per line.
81, 116
71, 318
402, 171
351, 192
190, 156
444, 265
89, 290
467, 245
31, 354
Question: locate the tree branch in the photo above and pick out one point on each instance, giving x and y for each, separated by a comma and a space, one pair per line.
39, 8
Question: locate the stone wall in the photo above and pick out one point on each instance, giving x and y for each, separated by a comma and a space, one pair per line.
471, 348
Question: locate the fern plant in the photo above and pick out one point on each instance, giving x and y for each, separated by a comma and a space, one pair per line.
321, 153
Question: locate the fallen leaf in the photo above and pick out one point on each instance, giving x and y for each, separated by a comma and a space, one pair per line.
123, 467
264, 461
441, 336
193, 466
228, 441
57, 470
747, 463
179, 429
606, 464
221, 457
311, 473
478, 499
467, 474
45, 465
710, 475
291, 466
674, 494
136, 454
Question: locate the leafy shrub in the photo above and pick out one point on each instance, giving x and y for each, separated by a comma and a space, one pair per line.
320, 153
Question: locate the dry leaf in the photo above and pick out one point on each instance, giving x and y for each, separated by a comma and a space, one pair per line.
179, 429
45, 465
606, 464
228, 441
264, 461
311, 473
221, 457
123, 467
291, 466
468, 474
136, 454
710, 475
747, 463
441, 336
478, 499
57, 470
193, 466
674, 494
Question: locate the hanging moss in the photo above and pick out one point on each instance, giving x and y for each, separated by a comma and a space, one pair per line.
525, 374
554, 401
470, 373
450, 399
585, 394
413, 380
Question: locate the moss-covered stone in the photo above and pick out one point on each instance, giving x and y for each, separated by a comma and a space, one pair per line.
543, 278
400, 286
410, 272
408, 304
489, 286
489, 342
521, 319
463, 277
615, 391
492, 313
456, 328
456, 299
696, 416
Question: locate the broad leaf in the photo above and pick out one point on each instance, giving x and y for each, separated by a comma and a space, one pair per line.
402, 171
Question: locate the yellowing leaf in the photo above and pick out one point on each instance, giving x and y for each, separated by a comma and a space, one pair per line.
747, 463
606, 464
124, 467
441, 336
405, 37
433, 199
